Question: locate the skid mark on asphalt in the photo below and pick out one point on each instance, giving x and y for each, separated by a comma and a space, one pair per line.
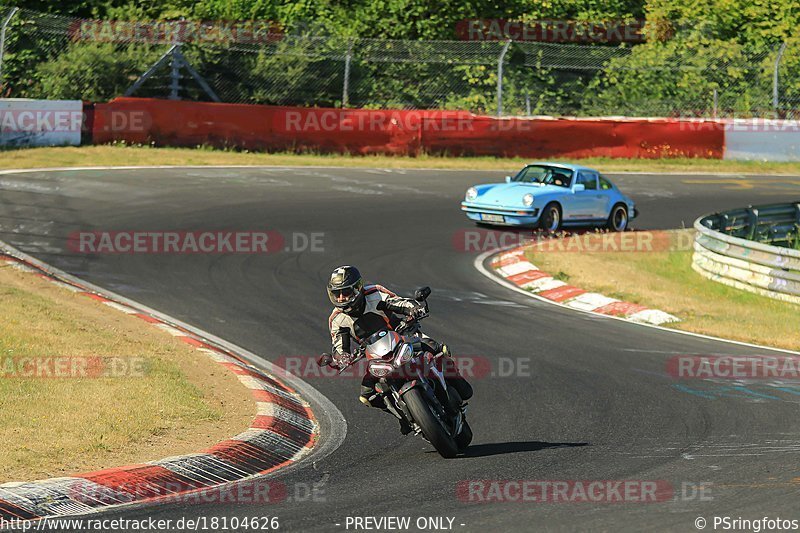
753, 393
728, 447
745, 390
470, 297
367, 186
356, 190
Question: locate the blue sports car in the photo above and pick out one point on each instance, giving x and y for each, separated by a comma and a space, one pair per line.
550, 195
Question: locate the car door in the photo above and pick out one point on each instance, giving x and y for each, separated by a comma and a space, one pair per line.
606, 191
587, 204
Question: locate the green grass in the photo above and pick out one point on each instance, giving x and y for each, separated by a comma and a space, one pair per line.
56, 426
113, 155
666, 281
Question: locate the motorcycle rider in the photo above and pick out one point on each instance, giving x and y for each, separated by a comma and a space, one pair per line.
356, 316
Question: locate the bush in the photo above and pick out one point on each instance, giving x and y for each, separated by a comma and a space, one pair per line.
92, 71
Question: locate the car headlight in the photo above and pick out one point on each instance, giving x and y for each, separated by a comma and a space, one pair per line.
404, 356
472, 193
527, 200
380, 369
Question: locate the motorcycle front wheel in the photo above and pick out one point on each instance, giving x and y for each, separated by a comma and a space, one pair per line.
465, 437
432, 427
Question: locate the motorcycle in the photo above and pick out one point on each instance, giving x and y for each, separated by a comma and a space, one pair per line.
411, 383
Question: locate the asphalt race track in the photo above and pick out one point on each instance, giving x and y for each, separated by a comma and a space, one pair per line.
596, 405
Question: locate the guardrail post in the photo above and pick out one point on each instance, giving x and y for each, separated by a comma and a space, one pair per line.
346, 83
781, 50
752, 223
723, 222
500, 78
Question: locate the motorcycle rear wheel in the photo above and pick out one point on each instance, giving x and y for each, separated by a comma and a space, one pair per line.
432, 428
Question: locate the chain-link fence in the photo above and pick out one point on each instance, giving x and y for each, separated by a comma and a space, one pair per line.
47, 56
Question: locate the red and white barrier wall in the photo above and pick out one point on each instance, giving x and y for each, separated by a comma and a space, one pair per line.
370, 131
402, 132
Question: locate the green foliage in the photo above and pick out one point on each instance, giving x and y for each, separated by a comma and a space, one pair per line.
695, 48
91, 71
680, 76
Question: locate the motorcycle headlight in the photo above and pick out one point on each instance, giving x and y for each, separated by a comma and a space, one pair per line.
380, 369
406, 352
527, 200
472, 193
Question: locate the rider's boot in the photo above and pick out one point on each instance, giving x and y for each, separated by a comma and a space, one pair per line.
453, 376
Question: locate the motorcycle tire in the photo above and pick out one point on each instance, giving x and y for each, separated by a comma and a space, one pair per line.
464, 438
431, 427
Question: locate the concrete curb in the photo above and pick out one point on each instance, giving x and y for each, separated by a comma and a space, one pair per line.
283, 431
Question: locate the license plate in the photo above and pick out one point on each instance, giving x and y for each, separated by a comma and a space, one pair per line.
492, 218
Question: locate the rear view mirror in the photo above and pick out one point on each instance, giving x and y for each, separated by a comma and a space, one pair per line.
422, 294
508, 179
580, 187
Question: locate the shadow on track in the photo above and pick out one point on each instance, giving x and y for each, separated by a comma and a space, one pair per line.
501, 448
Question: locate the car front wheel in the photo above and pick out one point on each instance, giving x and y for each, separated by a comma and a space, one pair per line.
618, 219
551, 218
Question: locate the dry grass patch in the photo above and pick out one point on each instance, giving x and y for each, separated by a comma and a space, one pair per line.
182, 403
120, 155
666, 281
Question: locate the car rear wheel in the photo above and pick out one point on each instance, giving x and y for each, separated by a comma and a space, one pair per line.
618, 219
551, 218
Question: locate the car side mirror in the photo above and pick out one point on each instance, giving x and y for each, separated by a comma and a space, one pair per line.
579, 187
508, 179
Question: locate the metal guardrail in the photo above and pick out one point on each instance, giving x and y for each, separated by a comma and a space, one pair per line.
755, 249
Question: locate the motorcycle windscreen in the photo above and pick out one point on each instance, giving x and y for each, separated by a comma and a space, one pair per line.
382, 343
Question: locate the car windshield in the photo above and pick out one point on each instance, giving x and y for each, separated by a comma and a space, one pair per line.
545, 175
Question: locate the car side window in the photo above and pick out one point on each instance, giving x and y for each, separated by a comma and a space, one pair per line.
588, 180
605, 185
